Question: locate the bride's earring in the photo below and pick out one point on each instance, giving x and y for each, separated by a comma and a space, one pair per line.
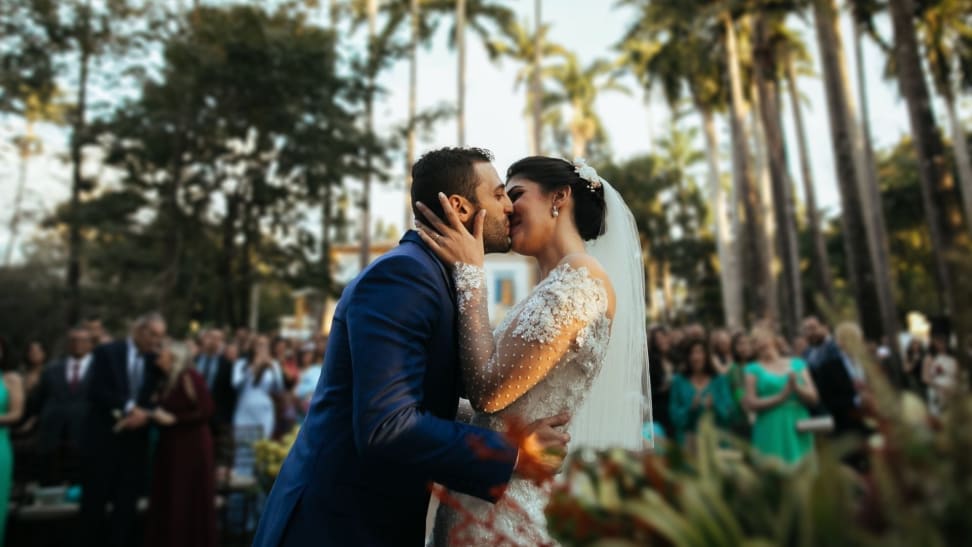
555, 212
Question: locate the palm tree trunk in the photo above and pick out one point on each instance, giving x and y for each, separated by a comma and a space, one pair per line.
821, 262
791, 301
365, 251
768, 229
961, 146
461, 70
877, 231
728, 267
77, 142
412, 106
26, 146
942, 211
845, 142
226, 262
755, 248
536, 89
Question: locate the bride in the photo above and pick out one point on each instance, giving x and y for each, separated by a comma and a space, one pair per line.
576, 344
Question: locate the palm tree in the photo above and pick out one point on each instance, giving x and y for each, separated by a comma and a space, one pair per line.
766, 70
536, 84
794, 51
666, 46
36, 109
484, 17
757, 246
870, 282
579, 87
941, 205
520, 45
947, 38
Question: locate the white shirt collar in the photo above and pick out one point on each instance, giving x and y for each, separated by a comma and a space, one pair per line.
82, 368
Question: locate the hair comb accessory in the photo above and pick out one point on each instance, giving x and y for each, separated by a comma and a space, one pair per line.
588, 173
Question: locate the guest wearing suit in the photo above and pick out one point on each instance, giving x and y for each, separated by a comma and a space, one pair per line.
122, 379
217, 371
833, 378
60, 404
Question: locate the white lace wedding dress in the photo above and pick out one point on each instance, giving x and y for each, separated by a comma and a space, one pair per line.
541, 361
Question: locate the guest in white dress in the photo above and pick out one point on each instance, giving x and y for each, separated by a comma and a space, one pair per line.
255, 378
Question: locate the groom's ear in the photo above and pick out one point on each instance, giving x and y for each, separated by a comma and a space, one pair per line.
462, 207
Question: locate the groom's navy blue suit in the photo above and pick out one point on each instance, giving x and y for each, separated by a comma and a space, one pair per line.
380, 426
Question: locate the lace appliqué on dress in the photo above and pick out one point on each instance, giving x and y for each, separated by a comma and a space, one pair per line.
567, 303
469, 280
566, 296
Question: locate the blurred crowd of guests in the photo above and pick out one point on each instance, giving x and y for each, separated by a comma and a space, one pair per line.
147, 416
779, 393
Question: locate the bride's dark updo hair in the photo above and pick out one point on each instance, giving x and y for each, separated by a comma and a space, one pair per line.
553, 174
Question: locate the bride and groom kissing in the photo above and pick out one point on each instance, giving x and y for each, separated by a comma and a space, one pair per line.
411, 335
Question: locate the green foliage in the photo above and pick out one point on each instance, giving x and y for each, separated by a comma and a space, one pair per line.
236, 134
662, 192
917, 491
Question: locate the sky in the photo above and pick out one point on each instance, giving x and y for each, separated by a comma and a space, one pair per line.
495, 119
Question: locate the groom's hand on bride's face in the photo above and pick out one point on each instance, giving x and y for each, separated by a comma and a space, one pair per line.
543, 448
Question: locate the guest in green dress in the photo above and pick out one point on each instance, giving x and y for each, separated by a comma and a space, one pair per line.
11, 410
698, 389
778, 390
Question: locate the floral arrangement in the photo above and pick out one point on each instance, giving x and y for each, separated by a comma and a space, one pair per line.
269, 456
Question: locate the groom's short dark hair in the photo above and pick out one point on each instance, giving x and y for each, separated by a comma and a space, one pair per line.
447, 170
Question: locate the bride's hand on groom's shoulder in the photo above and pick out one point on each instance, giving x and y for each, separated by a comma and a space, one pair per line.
542, 448
450, 239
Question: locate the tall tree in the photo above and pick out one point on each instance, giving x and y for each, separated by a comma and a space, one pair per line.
665, 46
946, 33
579, 87
485, 18
536, 84
795, 53
871, 285
757, 247
270, 123
766, 70
942, 208
518, 44
89, 32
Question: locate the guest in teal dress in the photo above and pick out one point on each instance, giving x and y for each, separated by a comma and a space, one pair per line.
779, 390
699, 388
11, 410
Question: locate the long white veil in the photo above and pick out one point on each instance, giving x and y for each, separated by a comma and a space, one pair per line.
620, 399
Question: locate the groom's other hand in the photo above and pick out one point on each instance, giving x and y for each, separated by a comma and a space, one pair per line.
542, 448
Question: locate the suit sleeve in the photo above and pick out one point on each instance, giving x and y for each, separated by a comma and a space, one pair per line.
391, 319
104, 393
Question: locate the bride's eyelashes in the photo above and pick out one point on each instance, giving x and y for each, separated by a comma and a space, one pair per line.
514, 194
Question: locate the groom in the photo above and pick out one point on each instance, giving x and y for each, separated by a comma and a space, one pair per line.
381, 425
